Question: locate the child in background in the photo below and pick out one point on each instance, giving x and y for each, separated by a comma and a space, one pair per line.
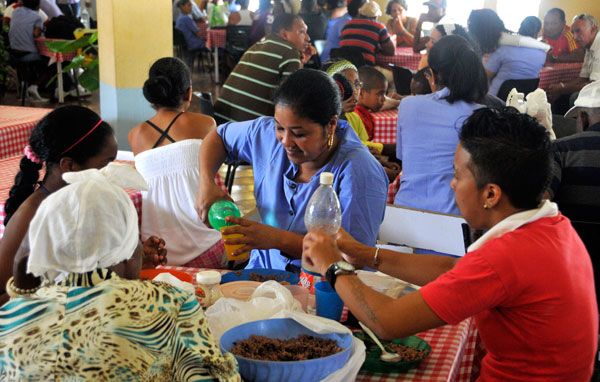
371, 97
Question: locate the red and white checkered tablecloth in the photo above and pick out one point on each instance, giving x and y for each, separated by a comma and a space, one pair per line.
40, 43
385, 126
9, 168
216, 38
559, 72
404, 57
16, 123
453, 350
203, 28
393, 189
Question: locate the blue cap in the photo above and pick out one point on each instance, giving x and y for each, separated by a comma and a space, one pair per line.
436, 3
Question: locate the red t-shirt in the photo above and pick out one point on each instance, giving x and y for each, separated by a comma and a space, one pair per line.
565, 44
532, 294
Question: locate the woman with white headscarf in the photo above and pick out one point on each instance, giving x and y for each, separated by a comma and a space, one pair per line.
92, 319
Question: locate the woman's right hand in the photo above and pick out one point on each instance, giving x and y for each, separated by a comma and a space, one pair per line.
208, 194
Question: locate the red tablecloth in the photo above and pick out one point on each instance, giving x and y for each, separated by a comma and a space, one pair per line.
40, 43
9, 168
385, 126
404, 56
560, 72
16, 124
216, 38
202, 27
454, 351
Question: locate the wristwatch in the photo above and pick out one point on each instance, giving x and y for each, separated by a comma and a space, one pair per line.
338, 268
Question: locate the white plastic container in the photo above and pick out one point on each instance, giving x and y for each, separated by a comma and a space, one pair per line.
208, 287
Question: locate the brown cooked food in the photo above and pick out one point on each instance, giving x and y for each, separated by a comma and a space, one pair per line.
407, 353
301, 348
261, 278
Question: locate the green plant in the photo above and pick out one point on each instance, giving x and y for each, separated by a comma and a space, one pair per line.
87, 59
4, 56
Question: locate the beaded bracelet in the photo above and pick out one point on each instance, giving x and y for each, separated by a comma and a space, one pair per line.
13, 291
376, 258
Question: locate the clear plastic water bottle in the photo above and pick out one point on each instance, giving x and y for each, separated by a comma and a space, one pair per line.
323, 212
85, 17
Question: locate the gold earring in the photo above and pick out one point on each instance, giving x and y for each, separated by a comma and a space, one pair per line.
485, 206
330, 141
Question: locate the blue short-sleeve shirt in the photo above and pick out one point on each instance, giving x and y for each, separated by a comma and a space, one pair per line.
359, 181
188, 27
514, 63
22, 23
428, 128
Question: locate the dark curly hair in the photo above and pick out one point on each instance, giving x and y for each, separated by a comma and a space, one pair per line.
311, 94
344, 85
486, 27
168, 81
53, 134
511, 150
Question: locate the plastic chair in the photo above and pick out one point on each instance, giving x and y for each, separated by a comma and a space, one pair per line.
238, 41
522, 86
402, 79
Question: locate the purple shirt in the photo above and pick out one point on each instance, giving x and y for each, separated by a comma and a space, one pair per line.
20, 34
333, 34
514, 63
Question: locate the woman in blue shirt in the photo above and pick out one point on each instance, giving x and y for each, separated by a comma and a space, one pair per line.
288, 152
428, 125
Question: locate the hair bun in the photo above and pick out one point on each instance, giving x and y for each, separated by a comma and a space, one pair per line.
158, 90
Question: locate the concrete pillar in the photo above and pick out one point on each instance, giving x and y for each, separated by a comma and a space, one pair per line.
132, 34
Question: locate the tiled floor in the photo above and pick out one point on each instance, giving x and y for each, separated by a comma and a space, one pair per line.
243, 187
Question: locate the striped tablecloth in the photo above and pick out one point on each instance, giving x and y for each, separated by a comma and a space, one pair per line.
9, 168
16, 123
559, 72
454, 351
404, 57
385, 126
216, 38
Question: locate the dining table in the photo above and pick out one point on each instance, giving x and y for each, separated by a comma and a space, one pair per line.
59, 58
215, 39
455, 356
385, 126
9, 167
404, 56
16, 123
554, 73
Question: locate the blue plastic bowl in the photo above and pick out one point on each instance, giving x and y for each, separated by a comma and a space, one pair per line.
244, 275
297, 371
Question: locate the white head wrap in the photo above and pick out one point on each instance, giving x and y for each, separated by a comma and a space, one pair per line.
90, 223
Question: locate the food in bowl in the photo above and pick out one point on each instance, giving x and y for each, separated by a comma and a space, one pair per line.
407, 353
299, 348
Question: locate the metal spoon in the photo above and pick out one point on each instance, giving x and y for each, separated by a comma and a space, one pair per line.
386, 356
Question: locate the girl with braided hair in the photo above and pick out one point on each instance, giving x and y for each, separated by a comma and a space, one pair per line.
70, 138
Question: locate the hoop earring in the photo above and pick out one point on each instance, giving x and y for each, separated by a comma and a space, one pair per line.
330, 142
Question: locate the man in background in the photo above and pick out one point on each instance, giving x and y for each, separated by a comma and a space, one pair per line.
435, 14
558, 35
247, 91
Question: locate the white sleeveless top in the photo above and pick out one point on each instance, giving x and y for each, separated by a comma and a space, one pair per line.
172, 174
245, 18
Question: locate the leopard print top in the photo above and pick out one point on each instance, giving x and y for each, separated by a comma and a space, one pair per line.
99, 327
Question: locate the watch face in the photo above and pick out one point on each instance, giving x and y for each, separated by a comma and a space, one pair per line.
347, 267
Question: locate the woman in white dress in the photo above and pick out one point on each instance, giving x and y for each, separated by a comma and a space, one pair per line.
166, 151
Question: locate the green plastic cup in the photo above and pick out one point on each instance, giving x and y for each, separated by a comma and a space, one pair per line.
219, 211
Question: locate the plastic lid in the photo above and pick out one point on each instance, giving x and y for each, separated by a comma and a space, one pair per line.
208, 277
326, 178
219, 211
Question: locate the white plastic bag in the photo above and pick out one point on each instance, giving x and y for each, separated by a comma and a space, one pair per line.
536, 106
272, 300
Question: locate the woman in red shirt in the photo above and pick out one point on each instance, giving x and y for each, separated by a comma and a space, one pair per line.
527, 281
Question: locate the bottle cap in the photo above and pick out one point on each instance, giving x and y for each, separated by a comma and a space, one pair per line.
326, 178
208, 277
219, 211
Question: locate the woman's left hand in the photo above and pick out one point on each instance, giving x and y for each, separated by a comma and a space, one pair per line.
155, 252
320, 250
256, 235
